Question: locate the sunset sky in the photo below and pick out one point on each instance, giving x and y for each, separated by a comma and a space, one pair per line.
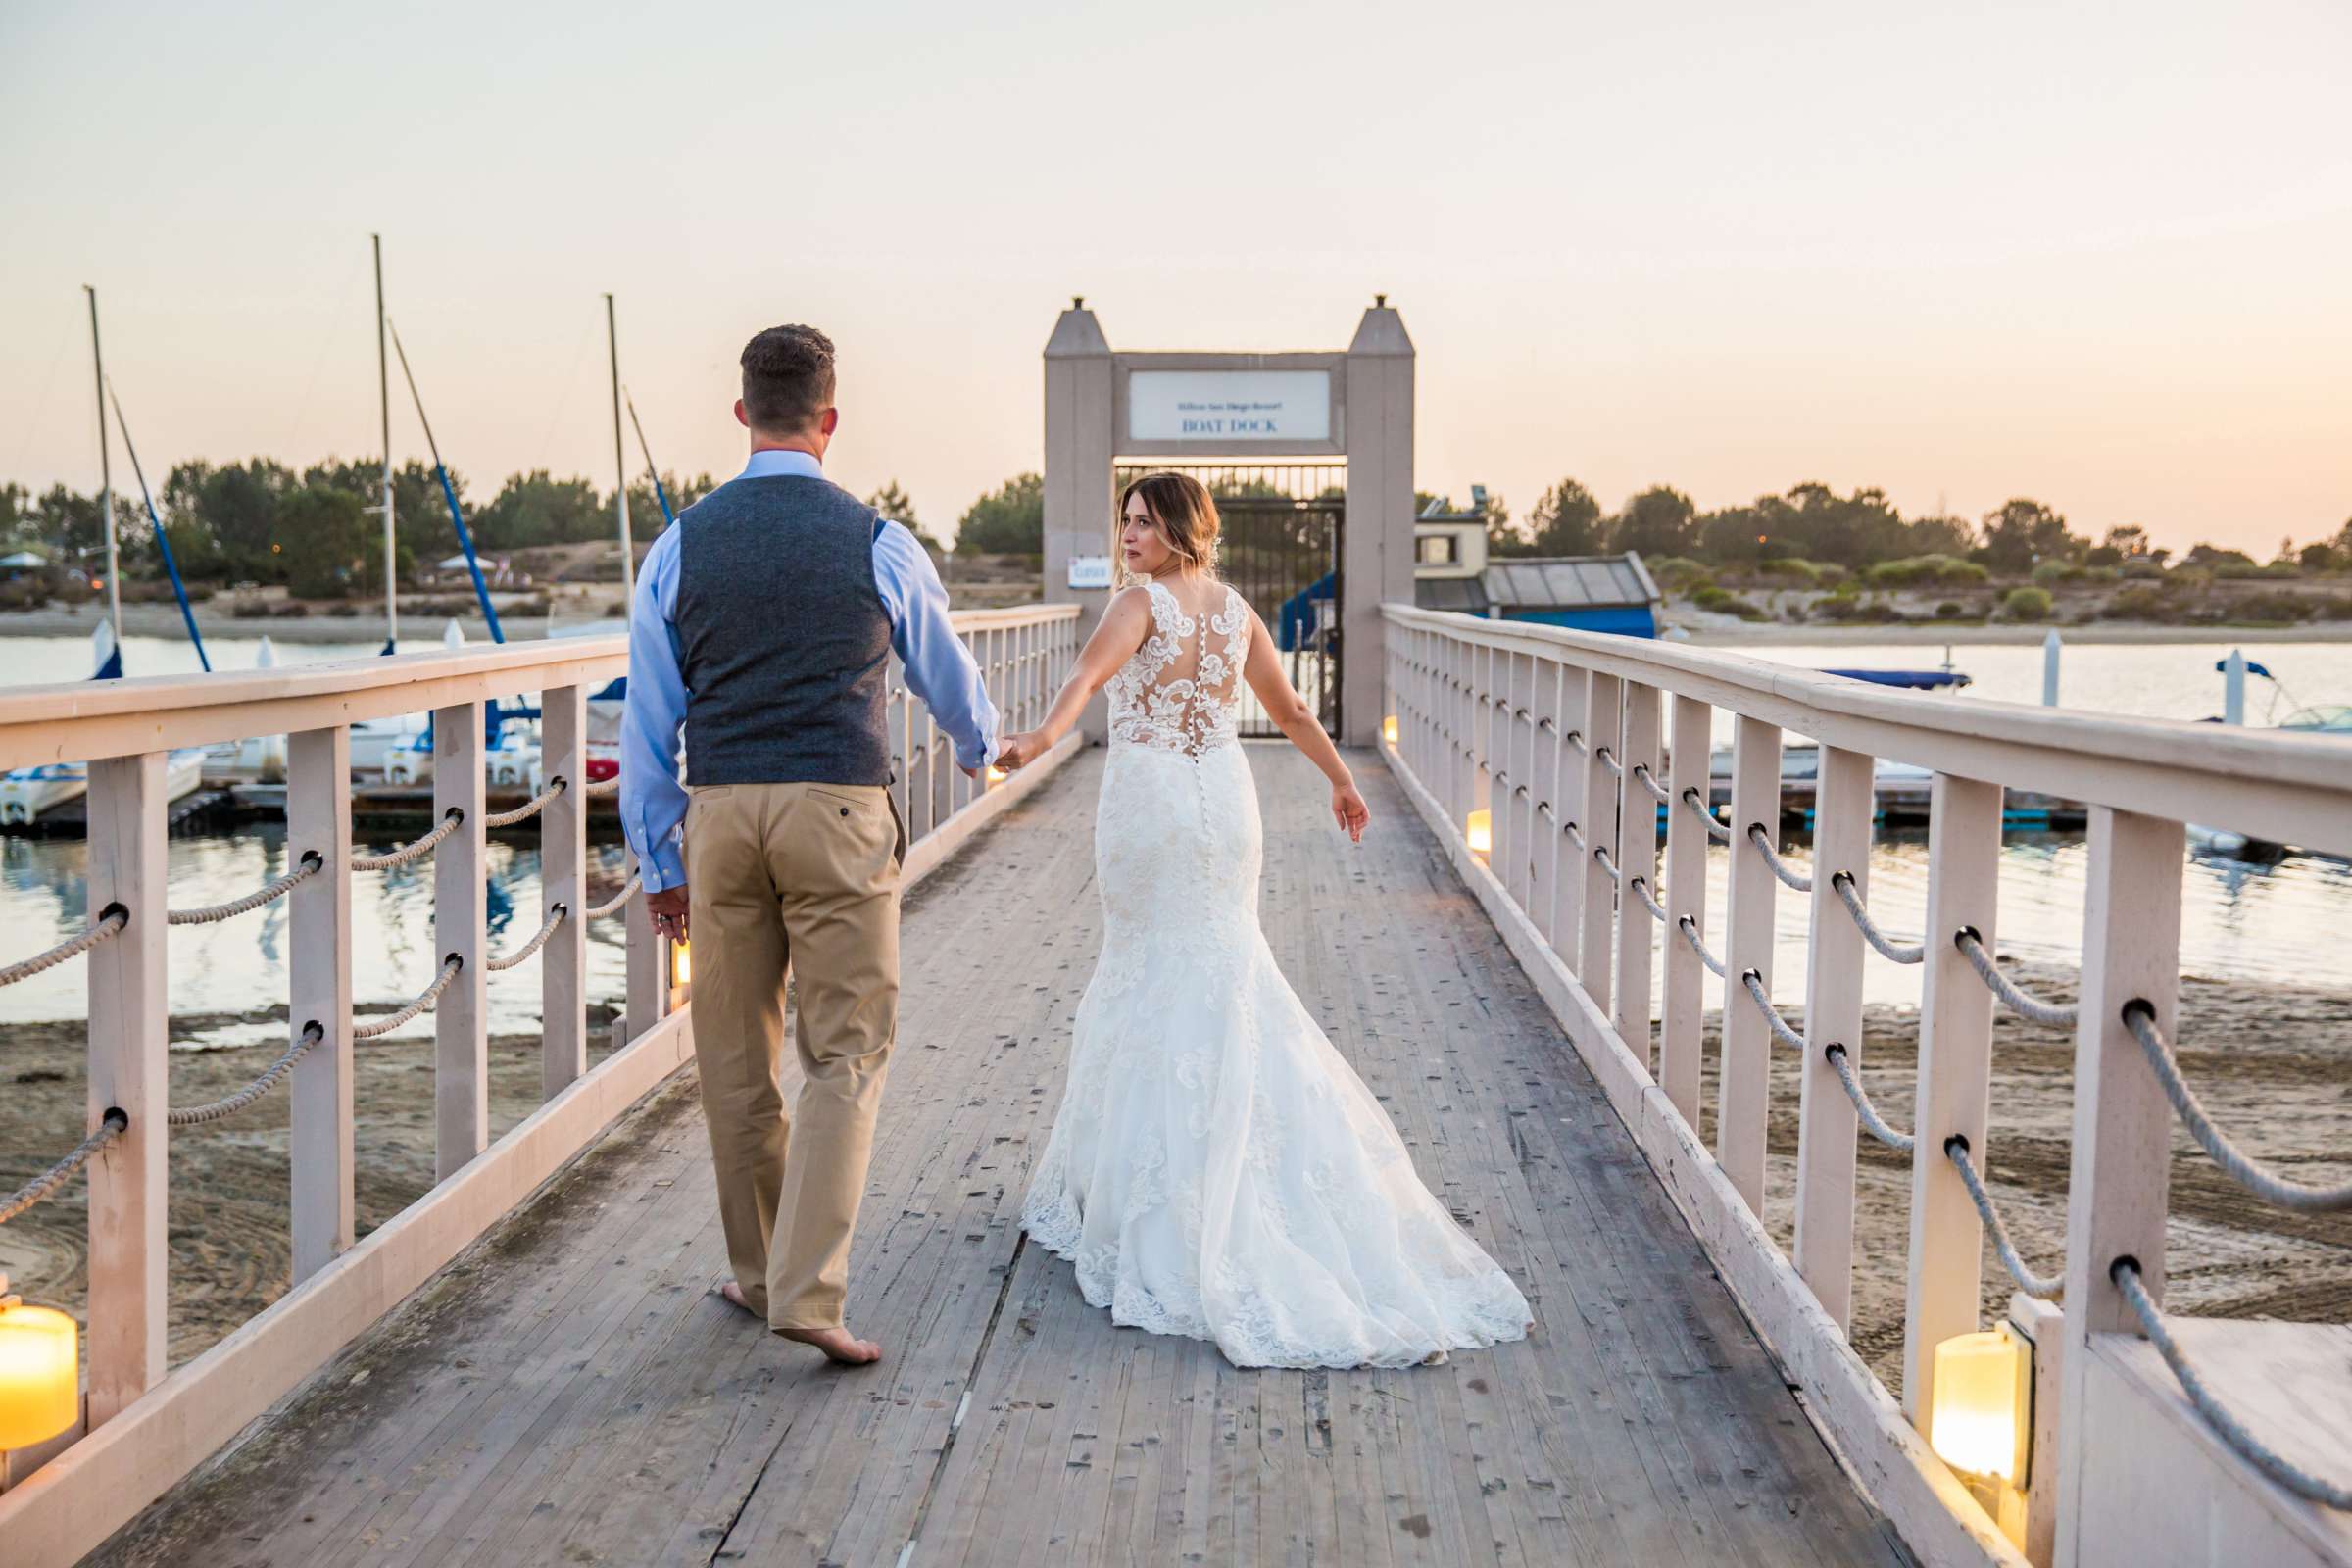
2100, 255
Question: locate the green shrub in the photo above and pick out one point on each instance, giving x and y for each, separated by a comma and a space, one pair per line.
2050, 572
2141, 602
2026, 604
1677, 574
1913, 571
1950, 610
1791, 567
2140, 567
2103, 575
1829, 574
1868, 612
2272, 606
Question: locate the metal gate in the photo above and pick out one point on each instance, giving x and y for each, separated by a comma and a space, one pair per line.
1280, 546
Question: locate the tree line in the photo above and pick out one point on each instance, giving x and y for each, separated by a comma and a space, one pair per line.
1813, 522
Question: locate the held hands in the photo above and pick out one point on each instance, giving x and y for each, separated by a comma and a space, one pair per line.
1017, 751
668, 909
1349, 809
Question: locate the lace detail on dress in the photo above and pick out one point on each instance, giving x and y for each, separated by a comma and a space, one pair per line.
1181, 691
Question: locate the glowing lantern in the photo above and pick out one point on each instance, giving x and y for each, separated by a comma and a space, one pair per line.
681, 966
995, 774
40, 1372
1984, 1401
1480, 831
1388, 729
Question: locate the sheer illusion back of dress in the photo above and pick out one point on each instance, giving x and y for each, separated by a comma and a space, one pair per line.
1217, 1168
1181, 691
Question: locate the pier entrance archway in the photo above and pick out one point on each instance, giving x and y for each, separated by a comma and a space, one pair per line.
1310, 455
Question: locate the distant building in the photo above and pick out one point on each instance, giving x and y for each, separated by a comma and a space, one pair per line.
1453, 570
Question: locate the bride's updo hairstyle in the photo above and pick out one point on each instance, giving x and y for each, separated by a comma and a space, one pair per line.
1186, 513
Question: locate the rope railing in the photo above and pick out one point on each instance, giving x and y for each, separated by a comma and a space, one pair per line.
528, 808
2241, 1166
1576, 738
1841, 883
1657, 791
1872, 1123
108, 923
1641, 887
1600, 852
2041, 1287
432, 994
2024, 1004
1715, 830
1575, 834
1789, 874
451, 820
312, 864
1781, 1027
214, 1110
599, 787
2124, 1272
555, 918
1608, 760
1690, 930
49, 1181
627, 890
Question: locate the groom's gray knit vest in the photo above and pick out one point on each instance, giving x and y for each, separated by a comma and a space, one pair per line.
782, 636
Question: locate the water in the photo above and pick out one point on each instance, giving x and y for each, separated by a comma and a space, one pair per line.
239, 965
2261, 924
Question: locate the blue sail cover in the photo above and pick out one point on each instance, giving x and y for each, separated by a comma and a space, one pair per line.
1916, 680
1296, 621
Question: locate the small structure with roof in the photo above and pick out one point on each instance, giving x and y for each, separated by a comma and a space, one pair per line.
1454, 570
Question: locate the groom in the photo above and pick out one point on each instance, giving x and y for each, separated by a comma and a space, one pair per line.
764, 624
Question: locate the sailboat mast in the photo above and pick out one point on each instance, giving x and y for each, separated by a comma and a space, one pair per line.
383, 404
620, 461
106, 475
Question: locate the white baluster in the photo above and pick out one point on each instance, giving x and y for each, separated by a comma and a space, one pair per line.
564, 880
130, 1034
1681, 1034
1745, 1090
460, 908
1843, 804
2122, 1133
1545, 779
1955, 1079
1568, 904
1636, 857
1604, 723
318, 988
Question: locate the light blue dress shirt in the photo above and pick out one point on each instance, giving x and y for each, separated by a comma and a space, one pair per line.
939, 670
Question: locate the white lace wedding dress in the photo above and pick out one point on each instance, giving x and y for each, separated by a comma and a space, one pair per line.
1217, 1168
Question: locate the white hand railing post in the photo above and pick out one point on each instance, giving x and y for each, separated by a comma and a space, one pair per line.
319, 990
1680, 1031
460, 908
1568, 906
1544, 784
130, 1034
1843, 804
1479, 774
1603, 730
564, 880
1520, 763
2116, 1194
645, 971
1955, 1079
1744, 1093
1636, 857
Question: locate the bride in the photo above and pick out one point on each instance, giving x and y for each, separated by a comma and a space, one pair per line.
1217, 1168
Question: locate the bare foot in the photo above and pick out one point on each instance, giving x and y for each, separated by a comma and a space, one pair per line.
838, 1344
732, 1292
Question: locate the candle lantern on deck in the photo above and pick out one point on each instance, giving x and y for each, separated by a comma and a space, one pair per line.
40, 1372
1479, 831
1388, 729
1980, 1417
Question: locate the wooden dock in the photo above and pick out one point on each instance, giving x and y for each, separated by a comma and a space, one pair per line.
567, 1390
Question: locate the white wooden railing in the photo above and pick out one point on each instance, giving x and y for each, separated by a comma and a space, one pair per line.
144, 1424
1559, 748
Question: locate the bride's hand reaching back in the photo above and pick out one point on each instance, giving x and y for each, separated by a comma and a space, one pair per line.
1348, 808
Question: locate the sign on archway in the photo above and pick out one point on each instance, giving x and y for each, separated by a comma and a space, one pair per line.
1316, 559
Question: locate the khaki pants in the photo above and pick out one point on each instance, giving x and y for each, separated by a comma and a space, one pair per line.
805, 875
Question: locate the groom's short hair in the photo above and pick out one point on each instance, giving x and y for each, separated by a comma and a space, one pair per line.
787, 377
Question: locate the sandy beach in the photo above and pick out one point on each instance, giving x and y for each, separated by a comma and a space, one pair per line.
2273, 1063
229, 1232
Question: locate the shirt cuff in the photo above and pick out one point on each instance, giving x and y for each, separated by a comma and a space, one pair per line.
978, 758
663, 869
